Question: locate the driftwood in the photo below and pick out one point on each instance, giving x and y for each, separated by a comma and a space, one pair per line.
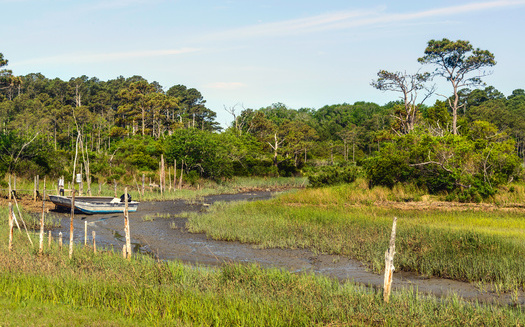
389, 263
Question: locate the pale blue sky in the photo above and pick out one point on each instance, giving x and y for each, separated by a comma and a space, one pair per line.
254, 53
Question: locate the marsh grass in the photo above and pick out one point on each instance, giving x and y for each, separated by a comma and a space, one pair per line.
480, 246
116, 292
155, 216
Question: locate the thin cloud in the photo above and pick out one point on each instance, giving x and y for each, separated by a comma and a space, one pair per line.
355, 18
75, 58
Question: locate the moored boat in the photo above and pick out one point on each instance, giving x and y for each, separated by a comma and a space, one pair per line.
94, 204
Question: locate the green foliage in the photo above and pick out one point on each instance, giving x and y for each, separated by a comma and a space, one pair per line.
26, 156
202, 151
332, 175
470, 167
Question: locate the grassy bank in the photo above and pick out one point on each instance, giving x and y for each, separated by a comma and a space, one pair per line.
467, 245
104, 289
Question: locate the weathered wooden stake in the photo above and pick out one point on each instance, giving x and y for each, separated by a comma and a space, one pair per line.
94, 234
60, 240
143, 182
162, 175
181, 172
49, 239
85, 233
389, 263
115, 187
34, 189
10, 226
174, 175
10, 189
71, 225
126, 225
169, 177
41, 248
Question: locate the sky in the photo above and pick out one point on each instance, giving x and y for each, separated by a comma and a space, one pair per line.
253, 53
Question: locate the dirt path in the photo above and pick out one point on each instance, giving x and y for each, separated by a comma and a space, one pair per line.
155, 235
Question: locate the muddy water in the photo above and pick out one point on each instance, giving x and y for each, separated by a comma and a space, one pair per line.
155, 235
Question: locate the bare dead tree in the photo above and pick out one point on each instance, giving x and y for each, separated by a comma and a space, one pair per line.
409, 86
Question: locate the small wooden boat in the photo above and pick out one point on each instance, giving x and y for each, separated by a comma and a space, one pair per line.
94, 204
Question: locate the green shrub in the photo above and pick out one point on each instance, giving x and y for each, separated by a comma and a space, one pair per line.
332, 175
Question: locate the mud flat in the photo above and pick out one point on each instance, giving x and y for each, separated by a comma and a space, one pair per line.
151, 232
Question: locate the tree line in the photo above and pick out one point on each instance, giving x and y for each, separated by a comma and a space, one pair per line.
472, 140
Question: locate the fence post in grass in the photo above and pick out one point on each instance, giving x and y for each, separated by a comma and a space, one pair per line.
169, 177
49, 239
126, 225
94, 234
60, 240
115, 188
10, 189
34, 189
181, 172
389, 263
85, 233
162, 175
71, 225
10, 226
143, 181
175, 175
41, 248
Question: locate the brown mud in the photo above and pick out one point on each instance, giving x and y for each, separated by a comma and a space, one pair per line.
151, 232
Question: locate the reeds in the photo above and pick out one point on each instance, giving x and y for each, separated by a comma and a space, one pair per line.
480, 246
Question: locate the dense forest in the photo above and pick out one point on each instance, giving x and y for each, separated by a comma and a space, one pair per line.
465, 145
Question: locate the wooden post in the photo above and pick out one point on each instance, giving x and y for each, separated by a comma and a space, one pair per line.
143, 182
115, 188
181, 172
14, 185
126, 225
389, 263
10, 189
10, 226
41, 248
94, 234
49, 239
124, 251
175, 175
162, 177
34, 189
169, 177
85, 233
60, 240
71, 225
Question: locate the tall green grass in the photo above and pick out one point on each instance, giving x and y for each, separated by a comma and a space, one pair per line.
473, 246
144, 291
